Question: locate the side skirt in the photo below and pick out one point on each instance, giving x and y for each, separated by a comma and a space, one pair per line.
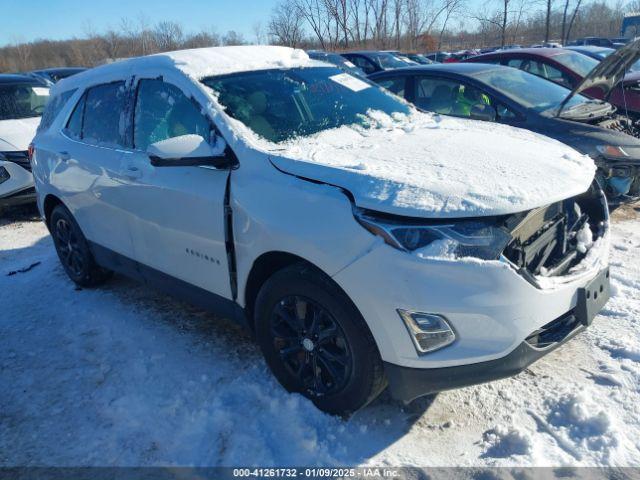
175, 287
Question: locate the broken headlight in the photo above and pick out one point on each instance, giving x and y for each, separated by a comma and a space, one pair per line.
482, 239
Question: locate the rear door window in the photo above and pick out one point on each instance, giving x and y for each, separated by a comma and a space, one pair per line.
163, 111
103, 122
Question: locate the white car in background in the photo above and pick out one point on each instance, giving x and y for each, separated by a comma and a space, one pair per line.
22, 101
364, 242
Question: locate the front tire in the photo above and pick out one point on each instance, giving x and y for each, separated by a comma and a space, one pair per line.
73, 250
316, 342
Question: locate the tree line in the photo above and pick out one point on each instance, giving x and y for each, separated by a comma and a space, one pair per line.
129, 39
416, 25
441, 24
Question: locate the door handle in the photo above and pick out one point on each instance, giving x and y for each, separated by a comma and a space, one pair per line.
64, 156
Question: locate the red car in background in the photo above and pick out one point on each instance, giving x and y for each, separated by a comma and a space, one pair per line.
577, 72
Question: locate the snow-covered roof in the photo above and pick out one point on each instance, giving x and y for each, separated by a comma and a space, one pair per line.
202, 62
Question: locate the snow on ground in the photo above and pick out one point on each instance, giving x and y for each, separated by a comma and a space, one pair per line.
123, 375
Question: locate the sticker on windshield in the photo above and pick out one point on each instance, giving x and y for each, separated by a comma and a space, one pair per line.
349, 64
349, 81
41, 92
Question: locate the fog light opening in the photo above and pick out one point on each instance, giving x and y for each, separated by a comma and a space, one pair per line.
428, 331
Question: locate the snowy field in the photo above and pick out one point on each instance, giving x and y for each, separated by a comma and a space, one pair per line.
125, 376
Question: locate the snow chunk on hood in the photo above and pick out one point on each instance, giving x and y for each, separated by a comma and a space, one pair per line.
427, 165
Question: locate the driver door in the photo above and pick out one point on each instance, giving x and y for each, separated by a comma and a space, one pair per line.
179, 228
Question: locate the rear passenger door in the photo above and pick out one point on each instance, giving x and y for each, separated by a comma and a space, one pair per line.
89, 171
179, 224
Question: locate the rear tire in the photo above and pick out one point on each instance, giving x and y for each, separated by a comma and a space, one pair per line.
316, 342
73, 250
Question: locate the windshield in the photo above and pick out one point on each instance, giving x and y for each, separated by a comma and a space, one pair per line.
283, 104
579, 63
22, 100
528, 90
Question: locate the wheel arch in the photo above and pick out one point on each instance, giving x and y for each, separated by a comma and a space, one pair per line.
50, 202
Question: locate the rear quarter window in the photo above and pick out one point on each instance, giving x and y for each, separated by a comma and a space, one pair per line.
53, 108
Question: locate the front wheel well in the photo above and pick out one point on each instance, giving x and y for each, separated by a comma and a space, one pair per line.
263, 268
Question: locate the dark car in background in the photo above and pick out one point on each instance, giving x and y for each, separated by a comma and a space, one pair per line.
437, 57
337, 60
594, 41
54, 75
371, 61
510, 96
418, 58
571, 69
597, 53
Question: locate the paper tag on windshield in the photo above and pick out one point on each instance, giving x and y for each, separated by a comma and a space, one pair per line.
349, 64
349, 81
41, 92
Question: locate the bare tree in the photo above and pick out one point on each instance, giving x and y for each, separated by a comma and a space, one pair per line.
168, 35
286, 24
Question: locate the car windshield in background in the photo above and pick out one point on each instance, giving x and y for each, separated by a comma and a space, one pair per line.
22, 100
579, 63
388, 60
529, 90
283, 104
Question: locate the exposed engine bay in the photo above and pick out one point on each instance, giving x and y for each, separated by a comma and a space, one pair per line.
549, 241
620, 123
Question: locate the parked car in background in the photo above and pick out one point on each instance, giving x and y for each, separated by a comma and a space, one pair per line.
54, 75
513, 97
597, 53
22, 101
460, 56
575, 70
332, 217
437, 57
593, 41
373, 61
337, 60
620, 41
418, 58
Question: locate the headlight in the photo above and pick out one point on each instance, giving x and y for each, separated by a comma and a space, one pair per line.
4, 175
611, 151
457, 238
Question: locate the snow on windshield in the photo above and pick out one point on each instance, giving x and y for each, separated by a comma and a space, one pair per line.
283, 104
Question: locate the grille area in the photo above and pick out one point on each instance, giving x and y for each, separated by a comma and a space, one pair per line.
21, 158
545, 240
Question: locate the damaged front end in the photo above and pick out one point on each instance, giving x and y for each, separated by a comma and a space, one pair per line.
617, 157
555, 243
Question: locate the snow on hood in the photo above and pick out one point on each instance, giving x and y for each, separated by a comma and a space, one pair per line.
427, 165
15, 135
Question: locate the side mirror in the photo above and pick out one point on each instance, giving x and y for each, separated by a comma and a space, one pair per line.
483, 112
189, 151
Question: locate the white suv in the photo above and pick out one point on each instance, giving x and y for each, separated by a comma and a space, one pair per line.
364, 242
22, 100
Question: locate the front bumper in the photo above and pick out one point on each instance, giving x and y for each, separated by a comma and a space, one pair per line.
18, 188
23, 197
489, 305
